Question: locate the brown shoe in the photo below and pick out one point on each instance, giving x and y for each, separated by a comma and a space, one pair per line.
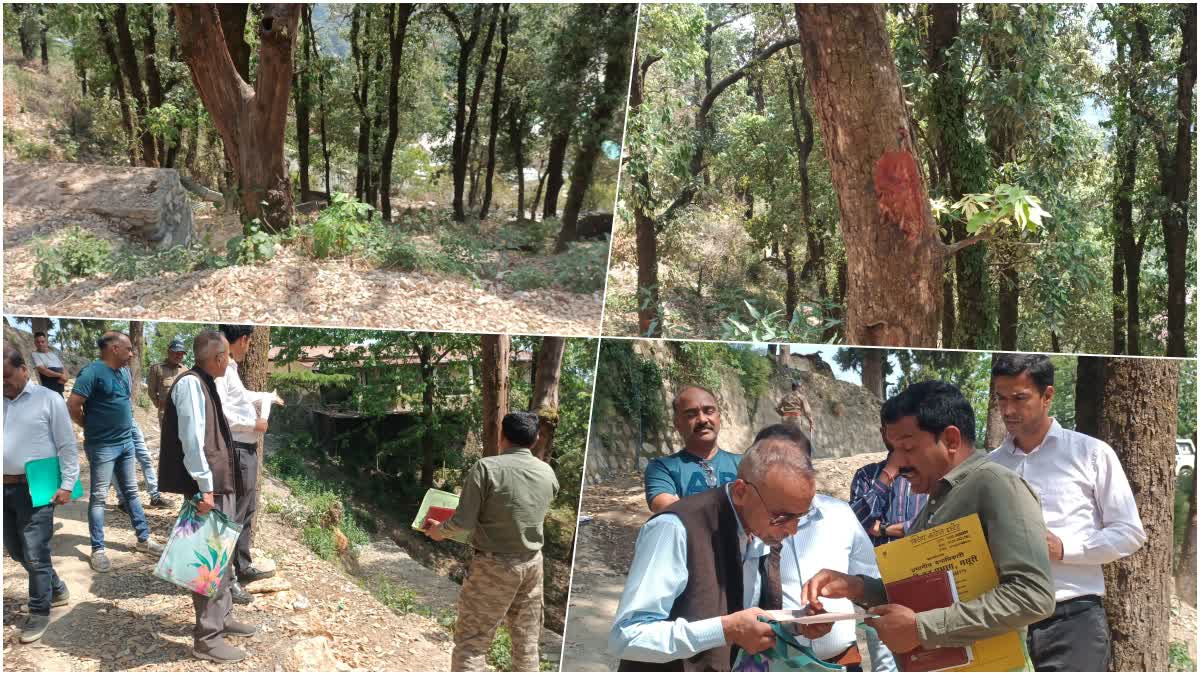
222, 652
239, 629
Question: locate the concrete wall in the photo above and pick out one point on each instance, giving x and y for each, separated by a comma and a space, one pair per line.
846, 417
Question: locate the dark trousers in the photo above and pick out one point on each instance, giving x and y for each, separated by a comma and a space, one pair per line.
1074, 638
213, 613
27, 533
247, 501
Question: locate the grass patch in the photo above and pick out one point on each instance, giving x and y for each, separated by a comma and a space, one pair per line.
316, 508
1180, 662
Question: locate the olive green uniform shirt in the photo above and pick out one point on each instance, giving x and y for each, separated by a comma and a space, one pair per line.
1016, 535
162, 376
504, 502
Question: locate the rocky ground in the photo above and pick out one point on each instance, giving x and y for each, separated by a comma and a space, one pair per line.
617, 509
289, 289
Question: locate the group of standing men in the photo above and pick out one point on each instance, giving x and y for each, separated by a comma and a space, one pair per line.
210, 425
1054, 505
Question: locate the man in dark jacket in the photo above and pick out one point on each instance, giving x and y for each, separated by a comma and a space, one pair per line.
197, 458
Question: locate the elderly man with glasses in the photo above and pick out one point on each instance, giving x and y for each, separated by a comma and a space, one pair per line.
701, 465
706, 567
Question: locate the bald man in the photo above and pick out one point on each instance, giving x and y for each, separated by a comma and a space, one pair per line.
197, 458
700, 465
100, 403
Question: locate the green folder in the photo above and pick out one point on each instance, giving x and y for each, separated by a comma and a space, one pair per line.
442, 500
44, 479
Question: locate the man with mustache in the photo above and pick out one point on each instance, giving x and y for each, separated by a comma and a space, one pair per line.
704, 567
700, 465
1091, 517
932, 428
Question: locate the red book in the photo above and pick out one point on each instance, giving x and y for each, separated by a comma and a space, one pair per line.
921, 593
439, 513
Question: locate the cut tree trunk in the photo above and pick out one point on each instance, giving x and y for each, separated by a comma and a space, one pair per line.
1138, 419
495, 390
252, 120
894, 294
545, 394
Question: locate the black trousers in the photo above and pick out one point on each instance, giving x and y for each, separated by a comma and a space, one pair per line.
27, 533
247, 501
1074, 638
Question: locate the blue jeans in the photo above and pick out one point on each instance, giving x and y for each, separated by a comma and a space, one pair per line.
105, 461
27, 534
142, 453
881, 657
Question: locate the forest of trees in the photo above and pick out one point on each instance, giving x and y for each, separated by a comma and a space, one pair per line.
972, 176
489, 112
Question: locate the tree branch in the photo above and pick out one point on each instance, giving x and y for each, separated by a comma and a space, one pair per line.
953, 249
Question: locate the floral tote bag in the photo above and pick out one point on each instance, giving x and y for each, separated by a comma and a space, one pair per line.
199, 549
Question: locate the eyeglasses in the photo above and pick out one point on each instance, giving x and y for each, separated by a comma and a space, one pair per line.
710, 474
776, 519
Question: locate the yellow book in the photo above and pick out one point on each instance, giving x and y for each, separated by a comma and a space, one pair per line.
958, 546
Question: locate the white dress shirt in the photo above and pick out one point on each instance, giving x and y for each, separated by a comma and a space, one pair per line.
657, 576
37, 425
1086, 502
46, 359
828, 537
188, 395
238, 404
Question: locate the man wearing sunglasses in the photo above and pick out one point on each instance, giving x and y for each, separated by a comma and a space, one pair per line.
700, 465
932, 428
704, 567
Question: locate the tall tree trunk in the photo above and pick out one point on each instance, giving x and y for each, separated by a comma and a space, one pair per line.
494, 124
650, 323
129, 67
872, 371
300, 87
963, 166
360, 20
428, 393
515, 125
110, 49
1089, 394
1118, 299
458, 154
802, 133
397, 32
1185, 562
1176, 187
40, 324
537, 194
1138, 419
548, 371
155, 92
495, 390
895, 283
616, 86
472, 154
554, 172
1010, 306
314, 57
252, 120
995, 433
42, 38
138, 340
255, 371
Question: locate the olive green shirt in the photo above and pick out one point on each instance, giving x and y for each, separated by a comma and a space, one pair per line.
504, 502
162, 376
1016, 535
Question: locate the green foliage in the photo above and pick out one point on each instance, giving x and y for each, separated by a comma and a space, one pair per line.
527, 278
307, 380
808, 324
1005, 206
254, 246
583, 267
342, 228
1180, 662
528, 235
80, 254
134, 262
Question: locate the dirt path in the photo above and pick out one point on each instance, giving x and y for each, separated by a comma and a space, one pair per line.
290, 289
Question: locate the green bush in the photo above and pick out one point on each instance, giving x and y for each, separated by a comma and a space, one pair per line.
135, 263
253, 246
343, 228
80, 254
582, 268
461, 253
528, 235
1177, 656
398, 251
527, 278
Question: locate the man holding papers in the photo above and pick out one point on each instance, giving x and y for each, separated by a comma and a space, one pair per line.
932, 428
243, 410
36, 426
1091, 518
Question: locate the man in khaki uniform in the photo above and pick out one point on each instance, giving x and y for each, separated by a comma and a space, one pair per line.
794, 409
503, 504
162, 375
